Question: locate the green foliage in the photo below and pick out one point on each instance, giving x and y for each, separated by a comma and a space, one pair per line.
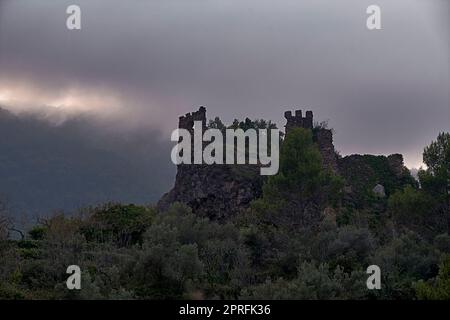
281, 224
416, 210
435, 180
349, 247
244, 125
405, 260
427, 211
438, 288
193, 255
216, 124
298, 241
252, 124
442, 243
437, 155
124, 225
11, 292
312, 282
302, 188
37, 232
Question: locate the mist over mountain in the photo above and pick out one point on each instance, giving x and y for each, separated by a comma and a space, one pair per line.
47, 166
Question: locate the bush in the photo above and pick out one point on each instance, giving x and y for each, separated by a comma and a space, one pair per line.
122, 224
438, 288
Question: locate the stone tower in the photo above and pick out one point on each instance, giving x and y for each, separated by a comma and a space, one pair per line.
323, 137
297, 121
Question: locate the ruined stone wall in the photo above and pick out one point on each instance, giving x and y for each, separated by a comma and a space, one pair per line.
187, 121
324, 139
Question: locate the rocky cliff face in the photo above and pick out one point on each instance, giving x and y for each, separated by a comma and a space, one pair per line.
214, 191
220, 191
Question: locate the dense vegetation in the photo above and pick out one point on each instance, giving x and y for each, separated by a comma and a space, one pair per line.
298, 241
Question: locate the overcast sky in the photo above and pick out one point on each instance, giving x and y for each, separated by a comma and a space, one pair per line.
147, 62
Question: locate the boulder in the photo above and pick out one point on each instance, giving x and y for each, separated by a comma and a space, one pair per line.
379, 191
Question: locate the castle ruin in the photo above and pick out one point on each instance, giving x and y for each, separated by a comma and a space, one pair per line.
220, 191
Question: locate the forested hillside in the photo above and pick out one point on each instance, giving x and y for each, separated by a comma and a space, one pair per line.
299, 240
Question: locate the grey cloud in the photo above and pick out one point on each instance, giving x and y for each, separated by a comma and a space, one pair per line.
384, 91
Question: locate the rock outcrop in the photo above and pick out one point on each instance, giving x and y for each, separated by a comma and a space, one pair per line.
214, 191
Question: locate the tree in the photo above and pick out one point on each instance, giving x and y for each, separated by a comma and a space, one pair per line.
437, 155
302, 188
438, 288
283, 221
216, 124
416, 210
122, 224
405, 260
252, 124
435, 180
427, 210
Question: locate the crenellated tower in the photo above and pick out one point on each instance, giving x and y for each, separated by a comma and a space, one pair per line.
298, 121
322, 136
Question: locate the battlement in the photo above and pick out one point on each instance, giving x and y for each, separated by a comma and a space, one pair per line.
298, 121
187, 121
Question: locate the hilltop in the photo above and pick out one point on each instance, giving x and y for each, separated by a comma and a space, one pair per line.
220, 191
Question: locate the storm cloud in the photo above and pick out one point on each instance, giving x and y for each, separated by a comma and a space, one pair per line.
146, 62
